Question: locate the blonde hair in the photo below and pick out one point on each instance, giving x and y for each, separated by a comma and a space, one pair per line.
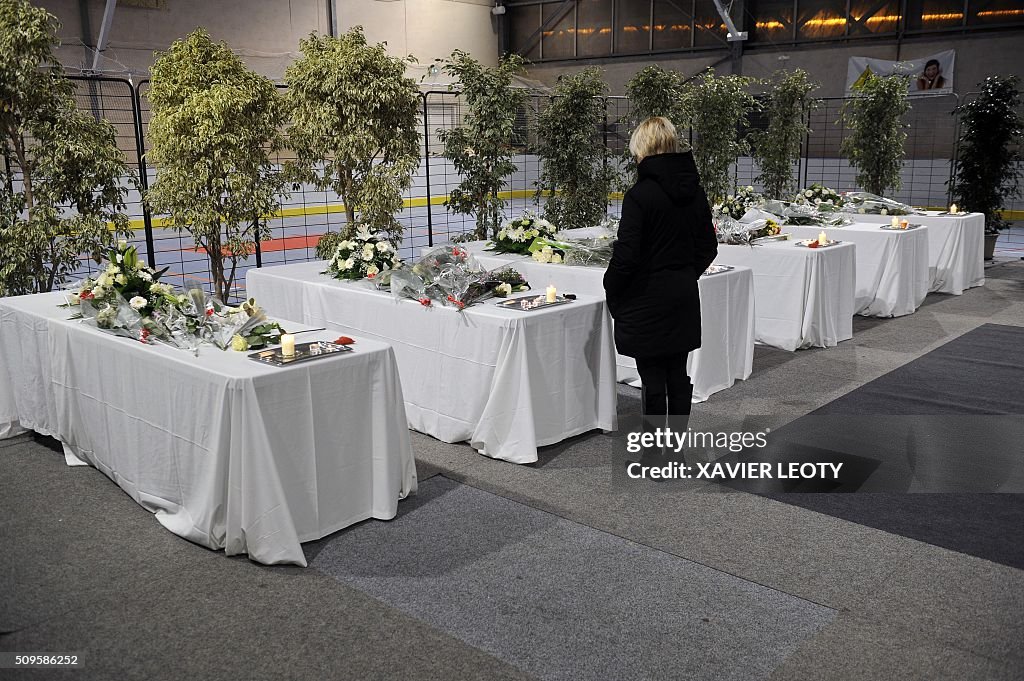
656, 135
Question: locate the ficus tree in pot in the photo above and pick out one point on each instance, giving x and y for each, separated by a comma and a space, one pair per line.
716, 109
776, 149
574, 169
480, 147
987, 169
214, 125
875, 143
354, 129
65, 194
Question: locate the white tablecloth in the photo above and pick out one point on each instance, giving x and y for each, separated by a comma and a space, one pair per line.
892, 266
803, 297
727, 317
507, 382
227, 452
956, 248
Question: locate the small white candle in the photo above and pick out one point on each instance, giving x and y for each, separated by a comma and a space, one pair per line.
552, 294
895, 222
953, 209
287, 345
822, 239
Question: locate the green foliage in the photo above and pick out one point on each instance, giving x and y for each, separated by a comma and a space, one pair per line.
777, 148
987, 171
716, 108
574, 165
214, 123
354, 129
653, 91
875, 144
480, 148
61, 159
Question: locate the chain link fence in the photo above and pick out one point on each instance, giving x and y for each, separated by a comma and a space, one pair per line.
307, 212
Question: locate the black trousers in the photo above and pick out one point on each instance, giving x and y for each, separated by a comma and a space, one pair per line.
666, 387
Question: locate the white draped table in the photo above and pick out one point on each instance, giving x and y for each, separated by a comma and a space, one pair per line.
892, 275
227, 452
803, 297
727, 317
956, 248
506, 381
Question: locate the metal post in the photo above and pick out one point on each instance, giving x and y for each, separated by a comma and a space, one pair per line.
604, 153
426, 167
140, 150
259, 251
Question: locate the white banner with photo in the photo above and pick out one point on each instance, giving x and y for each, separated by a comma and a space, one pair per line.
929, 75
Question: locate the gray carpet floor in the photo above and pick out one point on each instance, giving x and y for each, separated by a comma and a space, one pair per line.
561, 600
83, 568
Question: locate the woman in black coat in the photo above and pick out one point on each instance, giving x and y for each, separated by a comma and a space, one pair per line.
666, 240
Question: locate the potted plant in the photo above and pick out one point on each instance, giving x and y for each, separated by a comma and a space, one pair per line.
986, 171
874, 118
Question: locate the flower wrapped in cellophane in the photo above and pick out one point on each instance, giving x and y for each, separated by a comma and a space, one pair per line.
873, 204
804, 214
517, 236
747, 232
239, 328
448, 275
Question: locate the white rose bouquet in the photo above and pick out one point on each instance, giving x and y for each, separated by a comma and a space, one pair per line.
365, 255
819, 196
517, 235
736, 206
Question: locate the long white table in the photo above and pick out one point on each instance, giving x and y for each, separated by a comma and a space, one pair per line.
727, 317
507, 382
956, 248
892, 275
227, 452
803, 297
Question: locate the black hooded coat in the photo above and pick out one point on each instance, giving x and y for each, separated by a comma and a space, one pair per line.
666, 240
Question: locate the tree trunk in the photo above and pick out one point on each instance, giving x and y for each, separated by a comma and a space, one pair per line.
215, 253
26, 180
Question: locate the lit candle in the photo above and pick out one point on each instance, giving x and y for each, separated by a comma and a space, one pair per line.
895, 222
904, 224
953, 209
287, 345
552, 294
822, 239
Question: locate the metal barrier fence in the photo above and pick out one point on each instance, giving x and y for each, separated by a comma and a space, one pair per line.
306, 213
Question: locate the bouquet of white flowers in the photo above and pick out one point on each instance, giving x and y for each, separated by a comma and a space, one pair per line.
736, 206
127, 300
819, 196
517, 235
365, 255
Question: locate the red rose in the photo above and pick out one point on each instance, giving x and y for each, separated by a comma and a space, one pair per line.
209, 313
425, 302
86, 295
